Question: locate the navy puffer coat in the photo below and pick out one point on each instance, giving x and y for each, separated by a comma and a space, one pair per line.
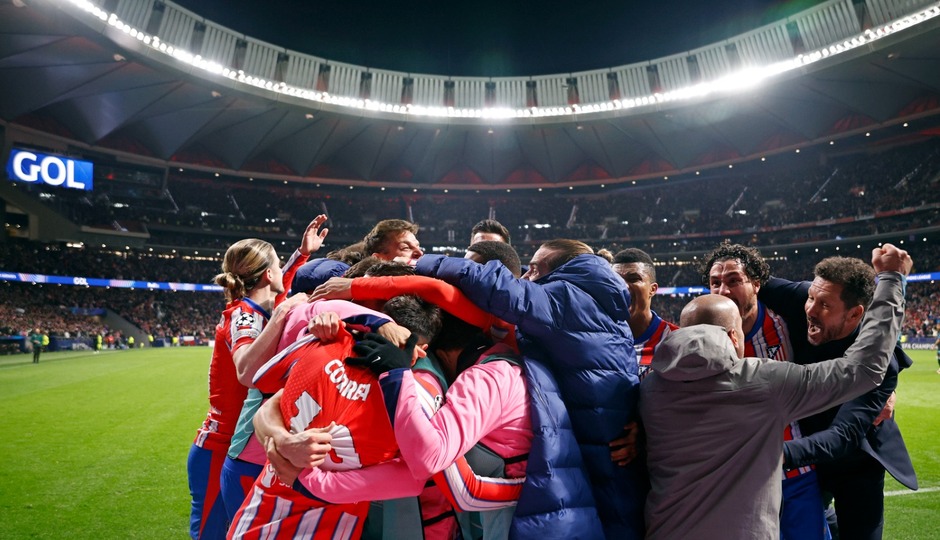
574, 321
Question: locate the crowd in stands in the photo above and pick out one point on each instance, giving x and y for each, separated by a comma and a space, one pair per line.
63, 311
922, 314
804, 202
59, 259
164, 314
796, 199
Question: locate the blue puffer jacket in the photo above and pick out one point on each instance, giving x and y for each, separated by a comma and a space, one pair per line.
574, 320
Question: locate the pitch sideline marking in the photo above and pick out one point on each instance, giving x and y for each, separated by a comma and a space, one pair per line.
909, 492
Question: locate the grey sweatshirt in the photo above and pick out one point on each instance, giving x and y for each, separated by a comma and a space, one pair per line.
714, 423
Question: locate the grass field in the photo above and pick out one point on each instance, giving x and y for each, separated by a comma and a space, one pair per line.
94, 446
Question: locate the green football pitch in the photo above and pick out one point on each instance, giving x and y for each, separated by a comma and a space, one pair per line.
95, 445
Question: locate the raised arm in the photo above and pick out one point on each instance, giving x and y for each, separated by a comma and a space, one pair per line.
847, 430
813, 388
310, 242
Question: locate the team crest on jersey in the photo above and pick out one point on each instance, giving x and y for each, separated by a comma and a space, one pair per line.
772, 351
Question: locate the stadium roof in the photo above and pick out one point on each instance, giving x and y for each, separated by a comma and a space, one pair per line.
93, 91
492, 38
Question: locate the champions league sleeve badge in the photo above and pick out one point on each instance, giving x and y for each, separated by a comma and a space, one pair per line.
245, 324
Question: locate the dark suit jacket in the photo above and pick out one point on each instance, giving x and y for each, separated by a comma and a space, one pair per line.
846, 430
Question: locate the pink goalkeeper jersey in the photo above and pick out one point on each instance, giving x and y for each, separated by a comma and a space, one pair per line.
487, 403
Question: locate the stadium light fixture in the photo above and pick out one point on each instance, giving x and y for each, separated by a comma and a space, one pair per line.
735, 82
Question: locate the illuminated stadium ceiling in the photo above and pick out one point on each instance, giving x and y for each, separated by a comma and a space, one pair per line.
492, 38
63, 76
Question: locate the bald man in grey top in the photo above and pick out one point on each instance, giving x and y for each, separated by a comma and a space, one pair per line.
714, 420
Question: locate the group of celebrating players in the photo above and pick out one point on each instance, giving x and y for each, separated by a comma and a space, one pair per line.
380, 392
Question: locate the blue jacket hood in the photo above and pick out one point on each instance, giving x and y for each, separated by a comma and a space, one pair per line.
594, 276
315, 273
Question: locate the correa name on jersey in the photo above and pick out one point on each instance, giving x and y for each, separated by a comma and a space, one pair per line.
347, 388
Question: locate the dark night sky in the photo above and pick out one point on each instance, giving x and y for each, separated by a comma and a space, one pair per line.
491, 37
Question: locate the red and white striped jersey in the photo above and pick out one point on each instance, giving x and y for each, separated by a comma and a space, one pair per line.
645, 345
769, 338
241, 323
319, 389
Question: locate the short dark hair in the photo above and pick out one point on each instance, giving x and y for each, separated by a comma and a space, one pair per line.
566, 250
376, 241
637, 256
455, 333
422, 318
489, 250
856, 277
491, 226
359, 269
350, 254
374, 266
389, 269
753, 262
